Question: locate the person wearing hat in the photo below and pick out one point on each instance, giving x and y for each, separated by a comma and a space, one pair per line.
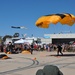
49, 70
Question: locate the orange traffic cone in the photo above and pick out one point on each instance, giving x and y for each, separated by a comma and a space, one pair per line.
34, 58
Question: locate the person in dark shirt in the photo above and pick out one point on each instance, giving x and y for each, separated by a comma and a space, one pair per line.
59, 50
32, 47
10, 46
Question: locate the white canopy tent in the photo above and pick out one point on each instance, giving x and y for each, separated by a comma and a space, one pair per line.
21, 41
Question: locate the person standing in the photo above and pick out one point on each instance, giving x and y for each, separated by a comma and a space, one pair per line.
32, 47
59, 50
10, 46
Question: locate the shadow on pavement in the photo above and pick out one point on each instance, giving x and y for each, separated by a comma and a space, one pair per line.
64, 55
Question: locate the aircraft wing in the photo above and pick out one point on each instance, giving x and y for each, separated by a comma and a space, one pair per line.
20, 27
15, 27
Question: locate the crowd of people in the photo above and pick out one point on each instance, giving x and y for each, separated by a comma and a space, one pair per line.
18, 48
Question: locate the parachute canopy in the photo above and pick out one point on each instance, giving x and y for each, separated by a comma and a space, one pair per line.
65, 18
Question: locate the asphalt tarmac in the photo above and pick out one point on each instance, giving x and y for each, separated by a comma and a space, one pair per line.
28, 64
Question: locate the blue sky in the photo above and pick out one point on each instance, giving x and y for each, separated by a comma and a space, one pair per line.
26, 12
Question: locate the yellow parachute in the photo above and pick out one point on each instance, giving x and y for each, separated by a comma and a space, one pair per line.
45, 21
